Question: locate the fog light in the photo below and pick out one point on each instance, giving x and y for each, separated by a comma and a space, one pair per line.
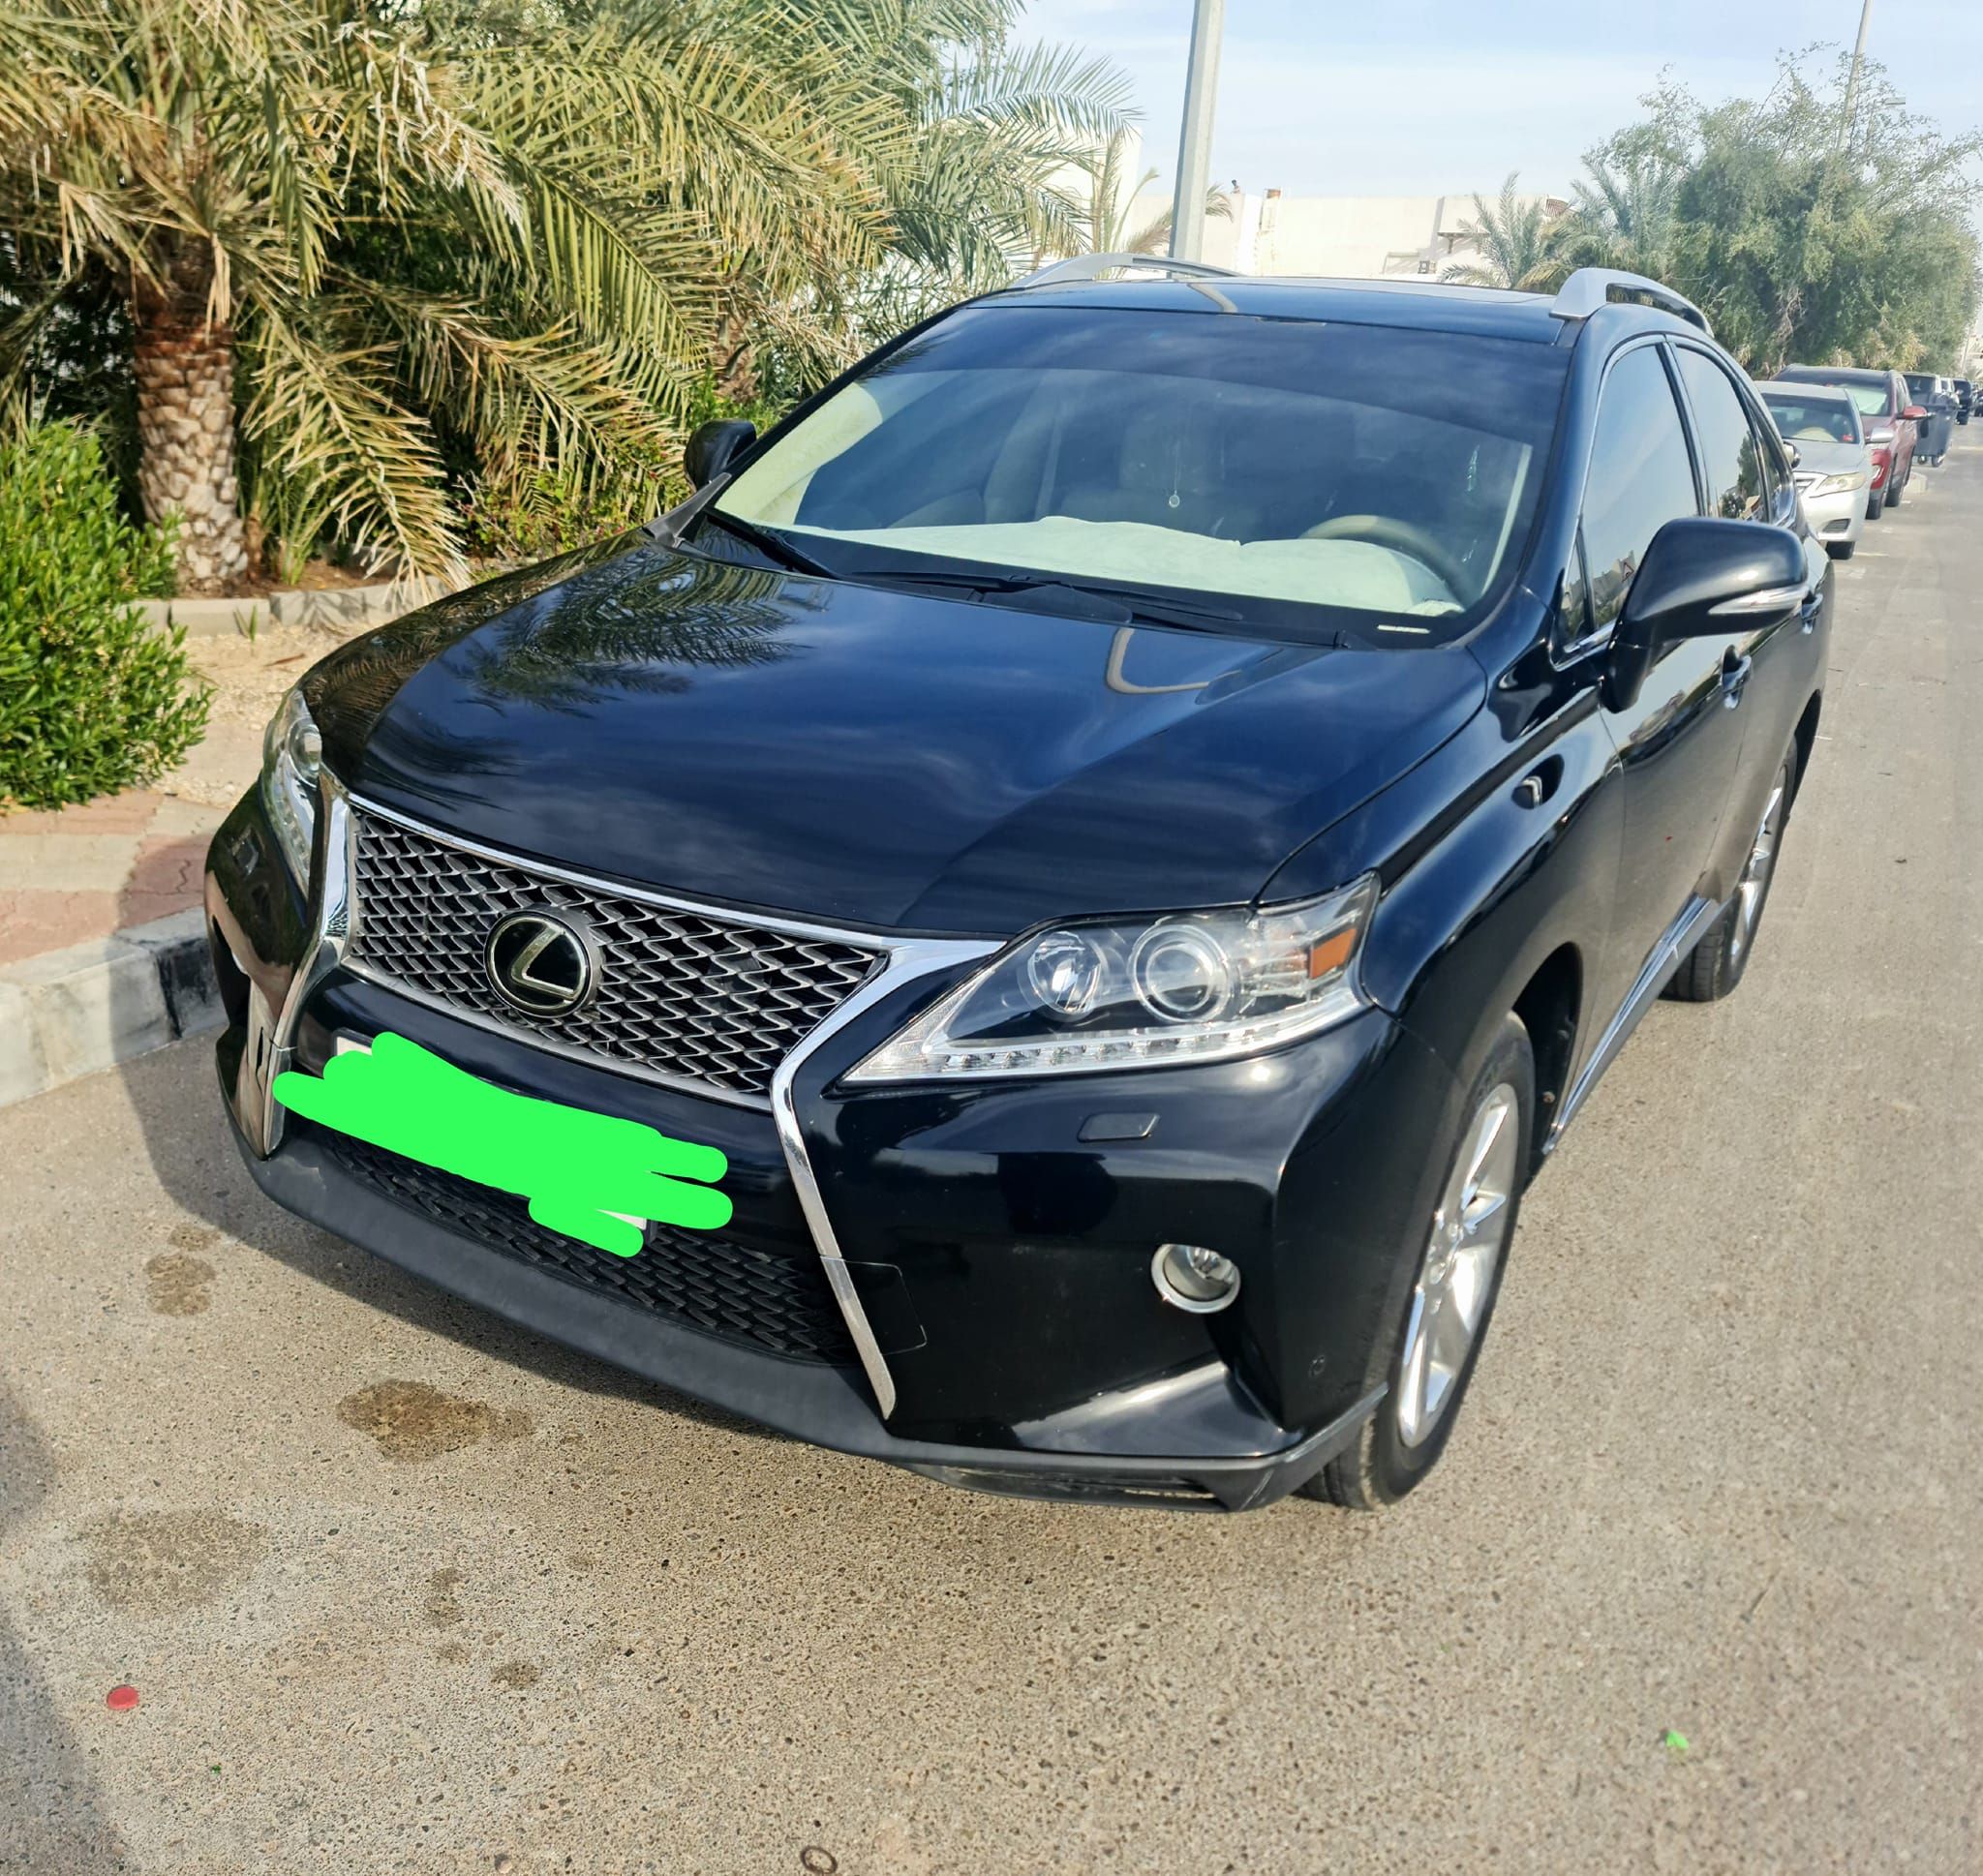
1194, 1278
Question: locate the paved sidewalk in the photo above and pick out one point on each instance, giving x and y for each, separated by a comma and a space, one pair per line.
85, 872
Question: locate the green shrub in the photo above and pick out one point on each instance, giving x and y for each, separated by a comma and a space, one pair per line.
527, 517
92, 699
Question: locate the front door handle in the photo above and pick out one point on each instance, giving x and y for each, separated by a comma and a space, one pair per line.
1734, 675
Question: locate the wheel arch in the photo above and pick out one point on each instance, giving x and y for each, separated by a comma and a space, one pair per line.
1550, 1006
1805, 736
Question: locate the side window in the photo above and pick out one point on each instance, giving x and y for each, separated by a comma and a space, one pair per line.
1778, 493
1727, 445
1641, 477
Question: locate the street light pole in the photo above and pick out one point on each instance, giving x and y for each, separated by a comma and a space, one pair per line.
1195, 141
1852, 80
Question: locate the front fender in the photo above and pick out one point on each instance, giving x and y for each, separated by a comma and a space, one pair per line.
1484, 881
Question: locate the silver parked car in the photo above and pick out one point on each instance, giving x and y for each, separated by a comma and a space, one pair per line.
1833, 469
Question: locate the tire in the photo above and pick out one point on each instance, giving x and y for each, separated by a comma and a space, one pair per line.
1893, 489
1842, 550
1875, 505
1715, 966
1402, 1440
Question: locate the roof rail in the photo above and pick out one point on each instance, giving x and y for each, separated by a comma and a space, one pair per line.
1591, 288
1092, 266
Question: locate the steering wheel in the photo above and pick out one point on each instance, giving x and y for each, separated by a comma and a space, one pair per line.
1382, 531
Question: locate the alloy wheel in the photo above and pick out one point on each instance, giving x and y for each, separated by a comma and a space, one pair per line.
1456, 1277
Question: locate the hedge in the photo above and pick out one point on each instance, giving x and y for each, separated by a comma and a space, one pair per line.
92, 698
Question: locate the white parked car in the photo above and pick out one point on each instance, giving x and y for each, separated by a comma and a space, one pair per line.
1833, 469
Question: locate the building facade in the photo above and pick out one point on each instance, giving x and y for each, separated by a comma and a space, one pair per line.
1357, 237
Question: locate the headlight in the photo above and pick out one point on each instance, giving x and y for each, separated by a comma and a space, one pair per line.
1838, 484
1192, 988
292, 760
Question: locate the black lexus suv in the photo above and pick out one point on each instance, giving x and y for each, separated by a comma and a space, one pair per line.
1038, 926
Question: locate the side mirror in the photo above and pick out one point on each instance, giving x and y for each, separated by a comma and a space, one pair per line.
1792, 450
713, 445
1702, 579
1914, 413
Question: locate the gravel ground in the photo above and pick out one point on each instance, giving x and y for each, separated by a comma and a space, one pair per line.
249, 676
403, 1589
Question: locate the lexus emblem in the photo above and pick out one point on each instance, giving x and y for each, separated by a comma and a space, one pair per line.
544, 964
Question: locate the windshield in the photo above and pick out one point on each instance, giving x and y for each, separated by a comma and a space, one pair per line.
1873, 396
1813, 420
1324, 476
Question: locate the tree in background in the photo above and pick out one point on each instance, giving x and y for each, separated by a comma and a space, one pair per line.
1625, 206
365, 251
1801, 240
982, 191
1516, 243
1107, 220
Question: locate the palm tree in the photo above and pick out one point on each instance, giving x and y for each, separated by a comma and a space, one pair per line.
1626, 210
1516, 241
970, 178
376, 243
1110, 220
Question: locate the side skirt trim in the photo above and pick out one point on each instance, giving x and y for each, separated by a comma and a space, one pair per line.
1667, 956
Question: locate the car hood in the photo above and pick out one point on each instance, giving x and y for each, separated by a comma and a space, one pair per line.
1827, 458
876, 757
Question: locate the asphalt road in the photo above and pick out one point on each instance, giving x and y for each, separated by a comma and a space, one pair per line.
403, 1589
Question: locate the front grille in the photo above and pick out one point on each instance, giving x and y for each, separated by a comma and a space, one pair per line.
692, 996
698, 1278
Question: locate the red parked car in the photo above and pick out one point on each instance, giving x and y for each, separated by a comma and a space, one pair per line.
1892, 418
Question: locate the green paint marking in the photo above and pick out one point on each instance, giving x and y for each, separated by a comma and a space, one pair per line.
1674, 1742
576, 1169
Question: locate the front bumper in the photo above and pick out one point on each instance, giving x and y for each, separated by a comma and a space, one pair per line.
1226, 1456
1838, 517
1000, 1260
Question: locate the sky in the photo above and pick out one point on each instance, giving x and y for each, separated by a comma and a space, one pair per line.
1439, 97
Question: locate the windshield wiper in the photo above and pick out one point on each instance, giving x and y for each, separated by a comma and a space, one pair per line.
772, 546
1139, 604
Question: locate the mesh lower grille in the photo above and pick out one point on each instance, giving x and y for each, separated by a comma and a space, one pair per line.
709, 1282
685, 994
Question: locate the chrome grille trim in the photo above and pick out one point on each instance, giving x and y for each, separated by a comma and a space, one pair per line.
900, 961
660, 1015
908, 960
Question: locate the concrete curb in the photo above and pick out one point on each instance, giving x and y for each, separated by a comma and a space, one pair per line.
71, 1013
371, 605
